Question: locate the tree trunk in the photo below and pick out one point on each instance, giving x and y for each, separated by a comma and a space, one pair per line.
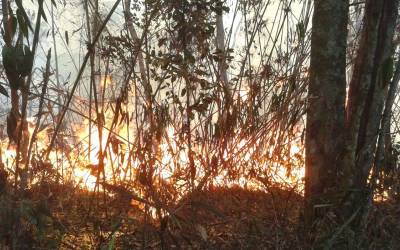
326, 102
225, 119
145, 82
384, 158
367, 95
220, 45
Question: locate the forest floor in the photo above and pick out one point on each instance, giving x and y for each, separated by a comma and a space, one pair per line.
217, 218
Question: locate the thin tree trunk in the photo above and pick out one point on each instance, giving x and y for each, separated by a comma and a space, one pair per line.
57, 76
367, 95
384, 158
226, 112
145, 82
220, 45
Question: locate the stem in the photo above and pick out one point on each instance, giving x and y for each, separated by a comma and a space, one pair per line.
77, 80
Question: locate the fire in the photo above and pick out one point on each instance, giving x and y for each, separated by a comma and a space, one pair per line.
172, 154
243, 94
106, 81
81, 162
88, 137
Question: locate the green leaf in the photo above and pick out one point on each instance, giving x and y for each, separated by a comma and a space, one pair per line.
189, 58
3, 90
23, 12
22, 23
25, 60
225, 8
18, 63
13, 20
66, 37
9, 62
41, 10
301, 31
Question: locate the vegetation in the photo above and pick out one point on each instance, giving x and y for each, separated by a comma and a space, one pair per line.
206, 124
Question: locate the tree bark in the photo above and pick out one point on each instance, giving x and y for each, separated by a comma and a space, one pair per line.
368, 92
384, 158
326, 102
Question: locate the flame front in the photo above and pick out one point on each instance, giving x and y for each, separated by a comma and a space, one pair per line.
246, 161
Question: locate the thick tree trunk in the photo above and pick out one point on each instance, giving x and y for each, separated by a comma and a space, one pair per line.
336, 163
326, 102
